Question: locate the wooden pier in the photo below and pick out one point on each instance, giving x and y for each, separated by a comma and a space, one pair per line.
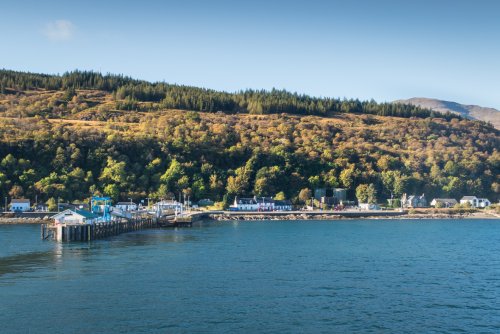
89, 232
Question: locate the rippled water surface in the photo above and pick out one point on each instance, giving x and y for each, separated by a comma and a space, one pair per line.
371, 276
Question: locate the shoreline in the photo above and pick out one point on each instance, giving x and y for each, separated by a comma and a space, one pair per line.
326, 216
296, 216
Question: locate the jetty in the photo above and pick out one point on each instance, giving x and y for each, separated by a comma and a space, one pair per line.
88, 232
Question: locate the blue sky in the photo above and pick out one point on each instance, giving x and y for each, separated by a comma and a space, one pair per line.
382, 49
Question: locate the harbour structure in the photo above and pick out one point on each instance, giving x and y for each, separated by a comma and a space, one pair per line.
103, 221
126, 206
167, 207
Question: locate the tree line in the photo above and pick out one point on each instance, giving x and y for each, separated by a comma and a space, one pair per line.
129, 93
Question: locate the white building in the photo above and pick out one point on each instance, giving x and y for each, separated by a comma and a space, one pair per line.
245, 204
284, 205
126, 206
74, 217
20, 205
475, 202
260, 204
265, 203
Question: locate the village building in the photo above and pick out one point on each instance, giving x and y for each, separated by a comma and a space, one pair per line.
444, 202
126, 206
169, 206
20, 205
414, 201
42, 207
475, 202
265, 203
75, 217
260, 204
283, 205
245, 204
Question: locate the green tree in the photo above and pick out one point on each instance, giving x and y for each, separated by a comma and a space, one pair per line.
305, 195
280, 196
366, 193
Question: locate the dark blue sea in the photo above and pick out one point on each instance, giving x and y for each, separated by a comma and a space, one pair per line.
352, 276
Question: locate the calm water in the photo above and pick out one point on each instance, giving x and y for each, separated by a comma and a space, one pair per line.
377, 276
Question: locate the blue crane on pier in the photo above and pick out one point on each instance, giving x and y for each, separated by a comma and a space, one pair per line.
102, 207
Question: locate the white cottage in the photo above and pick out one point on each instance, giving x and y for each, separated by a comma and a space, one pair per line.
74, 217
245, 204
475, 202
20, 205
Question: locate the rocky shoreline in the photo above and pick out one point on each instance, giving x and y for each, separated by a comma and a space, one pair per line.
327, 216
294, 216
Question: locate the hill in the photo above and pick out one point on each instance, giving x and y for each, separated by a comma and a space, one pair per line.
469, 111
68, 139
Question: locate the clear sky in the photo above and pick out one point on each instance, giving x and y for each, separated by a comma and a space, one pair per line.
379, 49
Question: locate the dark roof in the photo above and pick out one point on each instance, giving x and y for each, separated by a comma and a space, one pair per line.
448, 200
246, 201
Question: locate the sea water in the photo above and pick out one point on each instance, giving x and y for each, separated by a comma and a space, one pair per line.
362, 276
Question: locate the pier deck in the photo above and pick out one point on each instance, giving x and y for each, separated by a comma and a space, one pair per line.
89, 232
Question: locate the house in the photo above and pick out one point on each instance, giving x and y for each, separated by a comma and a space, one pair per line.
265, 203
484, 202
126, 206
20, 205
41, 207
475, 202
282, 205
444, 202
245, 204
414, 201
75, 217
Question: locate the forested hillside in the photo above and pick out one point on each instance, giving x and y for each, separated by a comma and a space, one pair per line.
82, 133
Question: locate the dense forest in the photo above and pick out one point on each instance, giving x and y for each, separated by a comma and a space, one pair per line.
68, 137
130, 93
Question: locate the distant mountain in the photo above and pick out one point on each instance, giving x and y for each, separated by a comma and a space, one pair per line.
469, 111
